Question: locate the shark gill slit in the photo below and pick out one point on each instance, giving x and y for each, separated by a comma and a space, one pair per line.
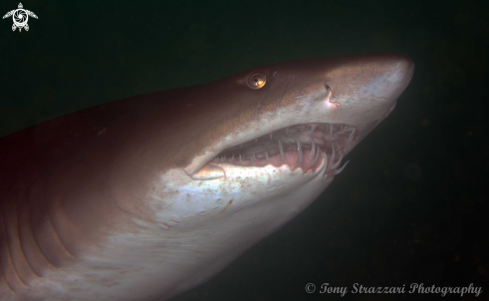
298, 146
4, 266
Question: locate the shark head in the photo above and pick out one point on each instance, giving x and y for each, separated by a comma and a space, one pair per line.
152, 195
234, 160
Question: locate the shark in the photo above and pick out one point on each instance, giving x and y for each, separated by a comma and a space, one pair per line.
147, 197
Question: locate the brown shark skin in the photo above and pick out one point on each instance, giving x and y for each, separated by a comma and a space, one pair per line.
67, 183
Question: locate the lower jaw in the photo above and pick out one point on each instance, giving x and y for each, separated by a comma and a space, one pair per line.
311, 161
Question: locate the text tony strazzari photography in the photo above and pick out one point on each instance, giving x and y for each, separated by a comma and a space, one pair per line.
413, 288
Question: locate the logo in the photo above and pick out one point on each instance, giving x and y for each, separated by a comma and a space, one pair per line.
20, 17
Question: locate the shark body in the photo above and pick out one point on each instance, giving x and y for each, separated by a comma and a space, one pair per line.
150, 196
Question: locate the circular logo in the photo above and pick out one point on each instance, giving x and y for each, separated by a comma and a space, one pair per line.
310, 288
20, 18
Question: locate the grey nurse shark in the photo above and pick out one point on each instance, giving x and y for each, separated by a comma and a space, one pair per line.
150, 196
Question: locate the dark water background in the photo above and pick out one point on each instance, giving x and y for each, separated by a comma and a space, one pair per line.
409, 208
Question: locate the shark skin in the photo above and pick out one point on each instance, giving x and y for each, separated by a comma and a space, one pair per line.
149, 196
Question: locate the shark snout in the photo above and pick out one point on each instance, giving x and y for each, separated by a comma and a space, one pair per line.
392, 78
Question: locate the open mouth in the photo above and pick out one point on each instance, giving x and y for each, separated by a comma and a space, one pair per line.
298, 146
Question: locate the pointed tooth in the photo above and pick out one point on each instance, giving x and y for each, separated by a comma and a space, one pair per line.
240, 161
299, 150
253, 159
233, 157
351, 137
341, 169
333, 153
313, 148
313, 127
325, 171
337, 162
229, 160
266, 155
316, 157
222, 159
281, 151
326, 161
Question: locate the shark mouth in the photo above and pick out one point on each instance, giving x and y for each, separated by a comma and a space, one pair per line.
298, 146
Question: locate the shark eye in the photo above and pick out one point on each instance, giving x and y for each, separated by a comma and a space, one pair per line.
257, 81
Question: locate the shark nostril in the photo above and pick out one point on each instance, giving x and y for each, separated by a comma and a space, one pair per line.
330, 92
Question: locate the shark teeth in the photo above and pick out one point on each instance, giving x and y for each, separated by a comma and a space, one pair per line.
282, 156
316, 157
299, 152
313, 127
297, 146
341, 169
